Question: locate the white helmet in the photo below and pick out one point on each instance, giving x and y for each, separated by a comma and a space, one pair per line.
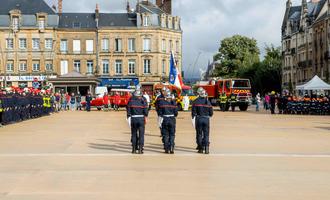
201, 92
138, 93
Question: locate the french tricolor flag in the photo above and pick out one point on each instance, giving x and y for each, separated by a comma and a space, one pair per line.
175, 76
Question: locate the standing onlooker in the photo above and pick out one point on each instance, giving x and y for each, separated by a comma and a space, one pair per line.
116, 101
186, 103
63, 101
267, 101
147, 98
57, 102
106, 103
72, 102
67, 98
258, 100
88, 102
78, 101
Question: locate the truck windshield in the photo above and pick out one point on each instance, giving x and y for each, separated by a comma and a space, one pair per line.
189, 92
241, 84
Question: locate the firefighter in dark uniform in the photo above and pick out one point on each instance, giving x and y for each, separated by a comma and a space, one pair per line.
168, 111
160, 98
137, 112
233, 101
272, 102
88, 102
201, 112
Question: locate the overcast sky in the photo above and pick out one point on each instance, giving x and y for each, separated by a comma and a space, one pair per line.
206, 22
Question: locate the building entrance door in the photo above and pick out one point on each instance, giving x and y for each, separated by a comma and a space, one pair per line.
72, 90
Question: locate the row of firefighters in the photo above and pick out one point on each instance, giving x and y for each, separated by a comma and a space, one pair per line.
15, 107
307, 105
167, 111
228, 101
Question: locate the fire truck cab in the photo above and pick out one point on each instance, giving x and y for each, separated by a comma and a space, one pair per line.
241, 88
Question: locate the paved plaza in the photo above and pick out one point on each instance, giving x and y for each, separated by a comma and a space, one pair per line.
80, 155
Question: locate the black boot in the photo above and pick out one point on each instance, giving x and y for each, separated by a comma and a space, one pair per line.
167, 150
141, 149
172, 150
134, 150
207, 150
200, 149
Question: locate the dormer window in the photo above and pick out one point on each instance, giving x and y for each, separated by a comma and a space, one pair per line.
146, 21
41, 23
15, 23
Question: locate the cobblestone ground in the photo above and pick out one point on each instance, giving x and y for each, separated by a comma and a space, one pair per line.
80, 155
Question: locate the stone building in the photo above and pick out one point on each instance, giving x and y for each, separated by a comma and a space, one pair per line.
27, 38
134, 45
305, 42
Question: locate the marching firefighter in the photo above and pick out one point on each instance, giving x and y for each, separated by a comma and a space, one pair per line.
223, 102
233, 101
137, 113
168, 111
201, 112
160, 97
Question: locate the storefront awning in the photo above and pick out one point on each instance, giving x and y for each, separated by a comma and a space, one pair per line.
119, 83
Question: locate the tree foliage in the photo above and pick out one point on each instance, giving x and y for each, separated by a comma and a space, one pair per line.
235, 53
265, 76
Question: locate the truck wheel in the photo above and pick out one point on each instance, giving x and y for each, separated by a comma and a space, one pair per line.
98, 108
243, 107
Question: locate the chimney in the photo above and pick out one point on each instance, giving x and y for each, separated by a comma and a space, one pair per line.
165, 5
60, 2
97, 11
288, 4
128, 8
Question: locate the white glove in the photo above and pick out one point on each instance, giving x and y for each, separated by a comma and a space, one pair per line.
129, 121
193, 121
160, 122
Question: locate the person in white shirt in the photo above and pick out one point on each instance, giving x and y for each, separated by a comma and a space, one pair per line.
147, 98
186, 102
258, 100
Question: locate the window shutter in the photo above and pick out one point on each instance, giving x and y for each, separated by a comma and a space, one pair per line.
76, 45
89, 46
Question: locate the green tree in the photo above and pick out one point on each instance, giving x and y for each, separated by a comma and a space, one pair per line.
265, 76
236, 52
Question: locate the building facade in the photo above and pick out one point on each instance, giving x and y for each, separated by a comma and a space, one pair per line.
132, 45
305, 42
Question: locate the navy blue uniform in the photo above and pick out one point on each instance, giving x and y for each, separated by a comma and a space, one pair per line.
88, 102
137, 110
202, 110
168, 110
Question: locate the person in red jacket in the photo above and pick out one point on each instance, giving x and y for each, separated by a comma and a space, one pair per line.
116, 101
67, 98
106, 102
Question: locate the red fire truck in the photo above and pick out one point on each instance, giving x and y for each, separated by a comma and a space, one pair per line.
241, 88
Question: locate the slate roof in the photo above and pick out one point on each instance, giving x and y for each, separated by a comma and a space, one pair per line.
73, 74
294, 15
87, 20
117, 19
27, 7
77, 20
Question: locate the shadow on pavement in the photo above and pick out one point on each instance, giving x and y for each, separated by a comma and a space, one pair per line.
324, 128
124, 147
